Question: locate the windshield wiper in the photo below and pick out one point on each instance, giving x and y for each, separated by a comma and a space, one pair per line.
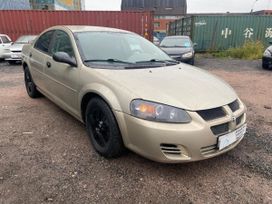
108, 60
153, 63
158, 61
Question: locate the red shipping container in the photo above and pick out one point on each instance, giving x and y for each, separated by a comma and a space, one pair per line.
24, 22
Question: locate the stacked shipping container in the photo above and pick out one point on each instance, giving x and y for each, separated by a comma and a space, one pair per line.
17, 23
214, 33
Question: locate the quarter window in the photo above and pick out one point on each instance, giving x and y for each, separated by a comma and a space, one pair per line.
62, 43
43, 42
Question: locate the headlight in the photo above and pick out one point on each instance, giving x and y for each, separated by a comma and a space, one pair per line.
187, 55
158, 112
267, 53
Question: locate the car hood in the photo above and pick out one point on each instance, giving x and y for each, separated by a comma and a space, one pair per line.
181, 86
176, 50
16, 47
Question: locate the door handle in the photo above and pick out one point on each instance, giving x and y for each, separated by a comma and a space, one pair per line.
48, 64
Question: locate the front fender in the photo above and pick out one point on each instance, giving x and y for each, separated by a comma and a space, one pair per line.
104, 92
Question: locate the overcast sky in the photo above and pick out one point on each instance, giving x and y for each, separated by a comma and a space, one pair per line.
194, 6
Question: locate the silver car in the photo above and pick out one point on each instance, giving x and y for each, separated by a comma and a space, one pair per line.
14, 52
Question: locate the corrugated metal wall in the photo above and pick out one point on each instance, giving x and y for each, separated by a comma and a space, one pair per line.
216, 33
17, 23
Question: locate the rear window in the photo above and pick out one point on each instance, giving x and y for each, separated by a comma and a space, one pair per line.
5, 39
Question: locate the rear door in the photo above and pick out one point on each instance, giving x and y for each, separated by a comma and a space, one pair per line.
62, 79
37, 58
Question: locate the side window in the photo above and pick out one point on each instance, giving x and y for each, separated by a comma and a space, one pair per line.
5, 39
62, 43
44, 41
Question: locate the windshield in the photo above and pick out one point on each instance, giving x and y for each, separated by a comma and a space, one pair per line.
113, 47
25, 39
176, 42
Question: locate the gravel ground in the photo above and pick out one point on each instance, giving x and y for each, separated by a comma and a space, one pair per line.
46, 156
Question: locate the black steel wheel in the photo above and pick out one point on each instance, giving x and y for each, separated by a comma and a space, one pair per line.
30, 85
103, 129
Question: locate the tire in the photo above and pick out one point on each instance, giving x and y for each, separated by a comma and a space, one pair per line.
265, 66
103, 129
12, 62
192, 62
30, 86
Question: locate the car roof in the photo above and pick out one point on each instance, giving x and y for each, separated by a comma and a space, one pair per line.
85, 28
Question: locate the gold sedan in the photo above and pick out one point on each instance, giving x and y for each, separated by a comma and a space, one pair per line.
130, 94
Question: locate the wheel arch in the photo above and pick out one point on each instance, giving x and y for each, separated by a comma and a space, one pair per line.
101, 92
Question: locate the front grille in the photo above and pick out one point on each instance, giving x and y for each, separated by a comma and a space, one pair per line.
170, 149
178, 58
220, 129
239, 120
212, 114
206, 151
234, 106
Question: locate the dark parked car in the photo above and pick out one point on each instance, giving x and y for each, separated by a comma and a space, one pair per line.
267, 58
180, 48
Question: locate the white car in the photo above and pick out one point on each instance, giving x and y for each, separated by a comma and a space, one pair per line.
5, 42
14, 52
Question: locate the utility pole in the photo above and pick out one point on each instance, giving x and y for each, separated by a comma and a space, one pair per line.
253, 5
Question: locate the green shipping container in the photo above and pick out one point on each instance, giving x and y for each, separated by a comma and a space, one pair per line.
215, 33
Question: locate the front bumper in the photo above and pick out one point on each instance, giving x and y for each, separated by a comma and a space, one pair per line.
195, 141
13, 56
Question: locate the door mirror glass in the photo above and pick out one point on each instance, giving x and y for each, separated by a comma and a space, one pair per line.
64, 57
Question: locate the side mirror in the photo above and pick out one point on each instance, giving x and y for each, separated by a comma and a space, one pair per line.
63, 57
